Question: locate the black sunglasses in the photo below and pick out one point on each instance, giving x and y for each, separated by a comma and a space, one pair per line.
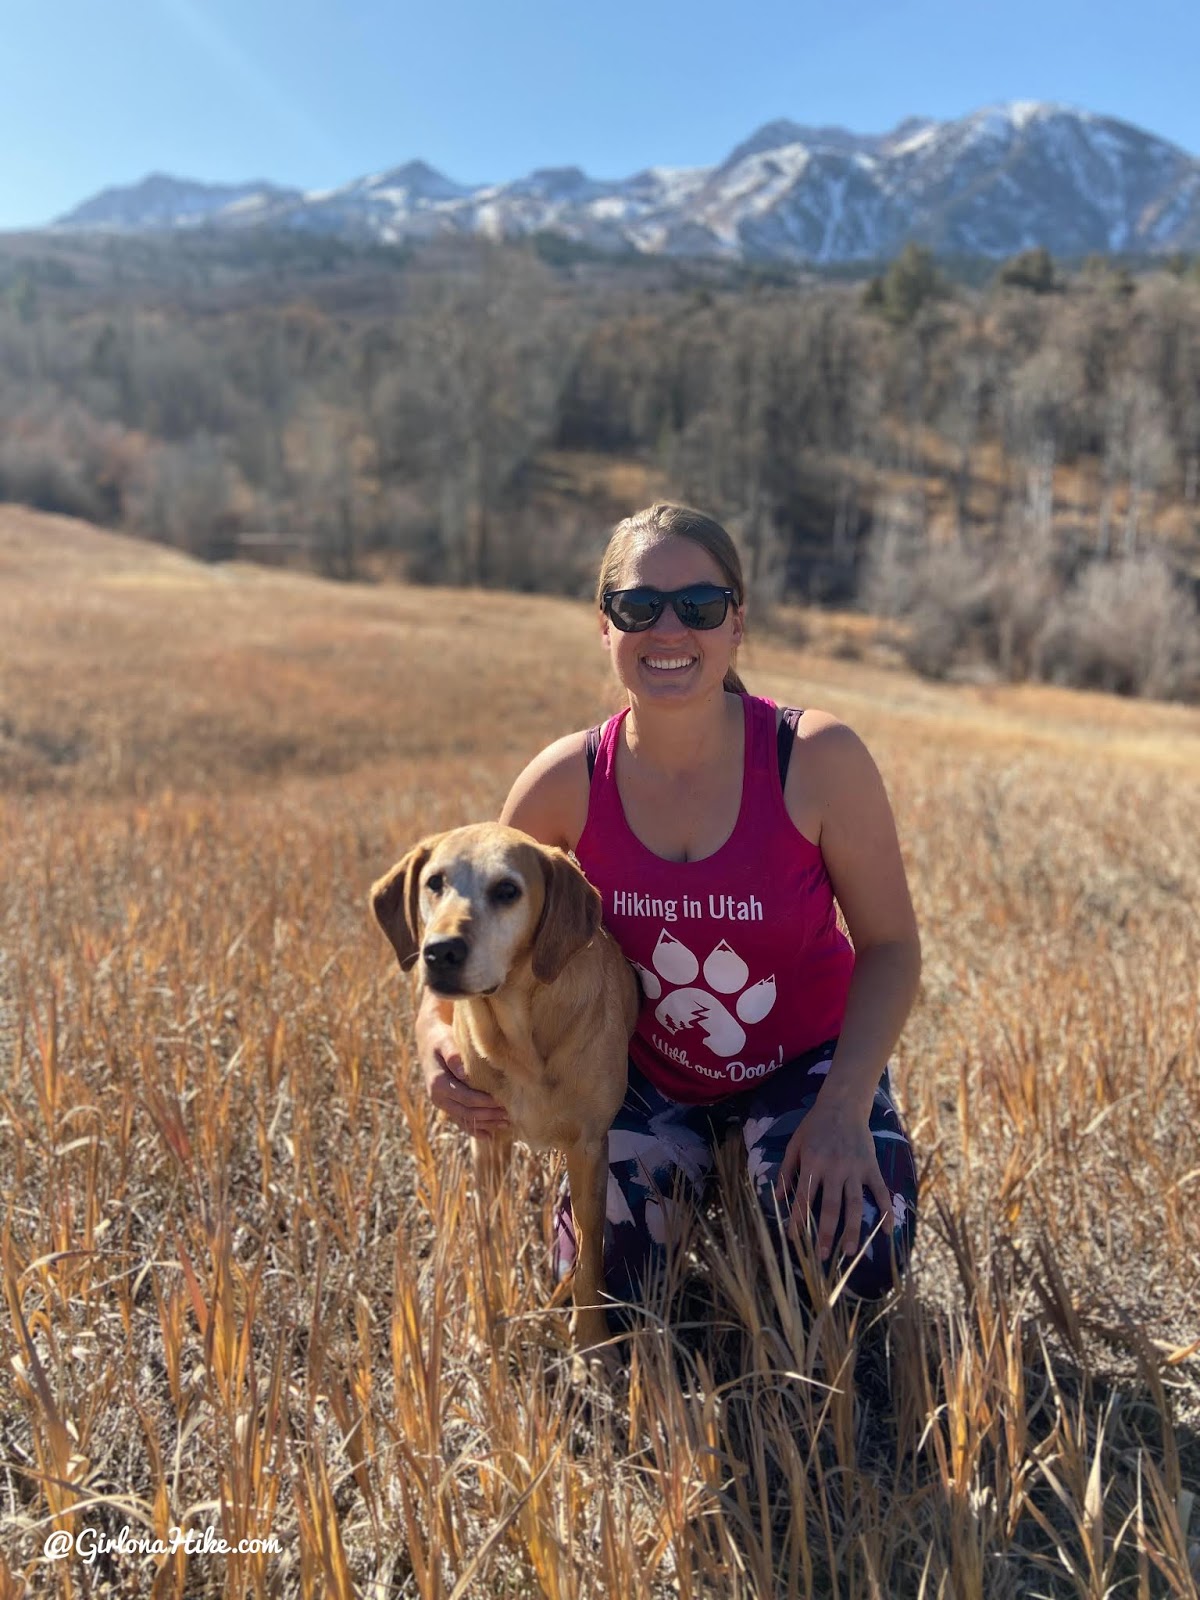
700, 605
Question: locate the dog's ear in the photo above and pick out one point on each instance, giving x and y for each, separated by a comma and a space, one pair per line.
394, 900
570, 915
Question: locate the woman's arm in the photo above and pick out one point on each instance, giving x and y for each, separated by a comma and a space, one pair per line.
833, 1151
862, 856
549, 799
442, 1069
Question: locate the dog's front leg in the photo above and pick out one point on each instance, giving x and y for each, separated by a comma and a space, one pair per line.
490, 1158
587, 1175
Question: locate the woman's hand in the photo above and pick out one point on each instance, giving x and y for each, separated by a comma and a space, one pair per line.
442, 1070
831, 1154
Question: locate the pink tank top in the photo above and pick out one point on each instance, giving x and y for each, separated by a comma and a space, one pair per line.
740, 958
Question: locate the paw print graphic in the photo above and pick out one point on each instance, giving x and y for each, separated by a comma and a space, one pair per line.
687, 1006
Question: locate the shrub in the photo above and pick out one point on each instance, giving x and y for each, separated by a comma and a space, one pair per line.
58, 457
951, 608
1126, 627
34, 474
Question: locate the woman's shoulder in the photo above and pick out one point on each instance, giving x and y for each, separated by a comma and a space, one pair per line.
819, 730
828, 760
549, 799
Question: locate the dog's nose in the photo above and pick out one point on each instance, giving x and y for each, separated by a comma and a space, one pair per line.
444, 955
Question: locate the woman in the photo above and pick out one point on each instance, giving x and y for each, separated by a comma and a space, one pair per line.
718, 840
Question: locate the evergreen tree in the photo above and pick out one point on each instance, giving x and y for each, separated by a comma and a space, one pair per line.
1032, 269
910, 282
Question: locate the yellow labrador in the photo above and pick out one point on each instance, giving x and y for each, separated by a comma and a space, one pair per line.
544, 1004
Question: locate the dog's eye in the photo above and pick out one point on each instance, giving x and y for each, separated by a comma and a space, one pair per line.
505, 892
435, 883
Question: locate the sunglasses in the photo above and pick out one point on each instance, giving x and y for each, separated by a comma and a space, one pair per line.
700, 605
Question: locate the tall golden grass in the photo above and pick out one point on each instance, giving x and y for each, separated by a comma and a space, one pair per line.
244, 1285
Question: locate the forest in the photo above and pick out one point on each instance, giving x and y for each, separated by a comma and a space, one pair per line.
1003, 465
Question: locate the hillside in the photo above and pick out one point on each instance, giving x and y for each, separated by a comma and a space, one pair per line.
130, 668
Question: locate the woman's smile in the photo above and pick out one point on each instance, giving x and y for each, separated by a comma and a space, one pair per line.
669, 663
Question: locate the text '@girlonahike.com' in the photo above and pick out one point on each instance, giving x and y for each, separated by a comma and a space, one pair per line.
89, 1543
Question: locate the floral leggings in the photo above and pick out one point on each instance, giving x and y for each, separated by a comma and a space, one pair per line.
661, 1154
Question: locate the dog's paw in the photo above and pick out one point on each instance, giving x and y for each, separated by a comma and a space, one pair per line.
596, 1351
596, 1363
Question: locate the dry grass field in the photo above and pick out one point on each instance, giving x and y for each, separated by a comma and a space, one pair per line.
243, 1286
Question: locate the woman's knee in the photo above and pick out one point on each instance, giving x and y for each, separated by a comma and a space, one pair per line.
883, 1253
880, 1257
644, 1215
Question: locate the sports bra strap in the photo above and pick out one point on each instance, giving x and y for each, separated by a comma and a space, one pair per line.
785, 740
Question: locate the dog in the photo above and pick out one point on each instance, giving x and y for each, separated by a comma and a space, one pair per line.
544, 1003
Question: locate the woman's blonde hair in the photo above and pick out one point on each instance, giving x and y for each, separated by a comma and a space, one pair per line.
664, 520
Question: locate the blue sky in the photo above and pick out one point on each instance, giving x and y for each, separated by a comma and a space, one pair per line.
100, 92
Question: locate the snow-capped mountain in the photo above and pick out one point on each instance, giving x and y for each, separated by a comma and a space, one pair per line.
992, 183
160, 201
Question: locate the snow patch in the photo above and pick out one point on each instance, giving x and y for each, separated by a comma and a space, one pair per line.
917, 141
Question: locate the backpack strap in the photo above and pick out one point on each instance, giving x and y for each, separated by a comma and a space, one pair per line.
591, 748
785, 740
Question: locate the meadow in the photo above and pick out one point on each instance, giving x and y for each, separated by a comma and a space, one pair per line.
244, 1288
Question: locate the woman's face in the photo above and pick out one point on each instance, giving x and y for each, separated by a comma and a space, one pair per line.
669, 663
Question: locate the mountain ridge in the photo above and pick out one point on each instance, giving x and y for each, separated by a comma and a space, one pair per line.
999, 180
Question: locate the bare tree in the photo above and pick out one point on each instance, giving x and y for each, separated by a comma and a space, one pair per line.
962, 420
1137, 448
490, 355
183, 495
324, 484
